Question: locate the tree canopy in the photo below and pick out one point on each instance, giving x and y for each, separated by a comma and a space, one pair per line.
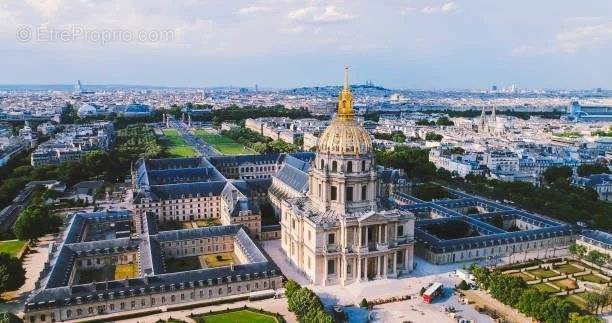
12, 274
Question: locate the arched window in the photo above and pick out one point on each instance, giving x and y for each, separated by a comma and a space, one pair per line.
334, 166
364, 192
363, 169
322, 163
349, 167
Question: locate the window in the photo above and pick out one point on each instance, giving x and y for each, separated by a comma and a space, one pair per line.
334, 193
364, 192
400, 230
349, 167
331, 267
68, 313
349, 194
334, 166
322, 164
331, 238
363, 166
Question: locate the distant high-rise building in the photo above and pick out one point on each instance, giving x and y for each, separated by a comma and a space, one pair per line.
494, 88
78, 87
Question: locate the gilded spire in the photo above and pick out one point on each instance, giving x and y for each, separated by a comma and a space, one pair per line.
345, 101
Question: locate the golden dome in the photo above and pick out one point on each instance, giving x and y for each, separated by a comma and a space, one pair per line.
345, 136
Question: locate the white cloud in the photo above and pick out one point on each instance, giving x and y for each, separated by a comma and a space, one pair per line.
445, 8
584, 37
570, 41
328, 14
46, 8
250, 10
448, 7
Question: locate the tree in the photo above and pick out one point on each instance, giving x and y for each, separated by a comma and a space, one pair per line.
592, 302
482, 276
428, 192
36, 221
577, 318
444, 121
291, 287
551, 174
577, 250
588, 169
530, 302
363, 303
8, 317
555, 309
597, 258
432, 136
12, 274
463, 285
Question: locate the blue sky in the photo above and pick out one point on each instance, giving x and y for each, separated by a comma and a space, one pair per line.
289, 43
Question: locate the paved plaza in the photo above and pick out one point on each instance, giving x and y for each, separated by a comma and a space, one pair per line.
414, 310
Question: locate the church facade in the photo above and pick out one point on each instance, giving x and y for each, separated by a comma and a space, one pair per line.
334, 224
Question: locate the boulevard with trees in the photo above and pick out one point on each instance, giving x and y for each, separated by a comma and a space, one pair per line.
259, 143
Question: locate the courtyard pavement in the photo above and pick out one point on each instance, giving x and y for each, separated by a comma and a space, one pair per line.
414, 310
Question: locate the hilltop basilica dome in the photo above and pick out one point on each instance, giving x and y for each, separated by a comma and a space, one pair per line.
345, 136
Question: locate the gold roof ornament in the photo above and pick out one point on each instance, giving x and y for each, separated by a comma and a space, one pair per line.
345, 136
345, 100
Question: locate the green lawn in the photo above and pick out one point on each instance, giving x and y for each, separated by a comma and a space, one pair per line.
544, 288
578, 300
522, 276
12, 247
224, 144
239, 316
568, 269
592, 278
543, 273
176, 146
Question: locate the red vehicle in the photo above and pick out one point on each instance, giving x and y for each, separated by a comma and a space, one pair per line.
432, 292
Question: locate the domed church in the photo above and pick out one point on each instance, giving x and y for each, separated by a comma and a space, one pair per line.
334, 226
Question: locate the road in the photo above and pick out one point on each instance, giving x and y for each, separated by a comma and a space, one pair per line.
203, 148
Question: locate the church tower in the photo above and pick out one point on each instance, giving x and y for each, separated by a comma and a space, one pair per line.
343, 177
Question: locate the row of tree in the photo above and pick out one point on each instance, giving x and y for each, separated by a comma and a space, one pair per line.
305, 304
397, 136
513, 291
593, 256
442, 121
555, 173
259, 143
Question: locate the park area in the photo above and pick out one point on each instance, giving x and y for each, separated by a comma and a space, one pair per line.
11, 247
224, 144
176, 146
243, 315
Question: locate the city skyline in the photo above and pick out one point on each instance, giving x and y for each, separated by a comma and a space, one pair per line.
286, 44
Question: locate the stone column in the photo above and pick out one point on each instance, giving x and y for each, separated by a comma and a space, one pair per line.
385, 265
377, 267
379, 233
358, 261
406, 260
366, 235
324, 270
395, 262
